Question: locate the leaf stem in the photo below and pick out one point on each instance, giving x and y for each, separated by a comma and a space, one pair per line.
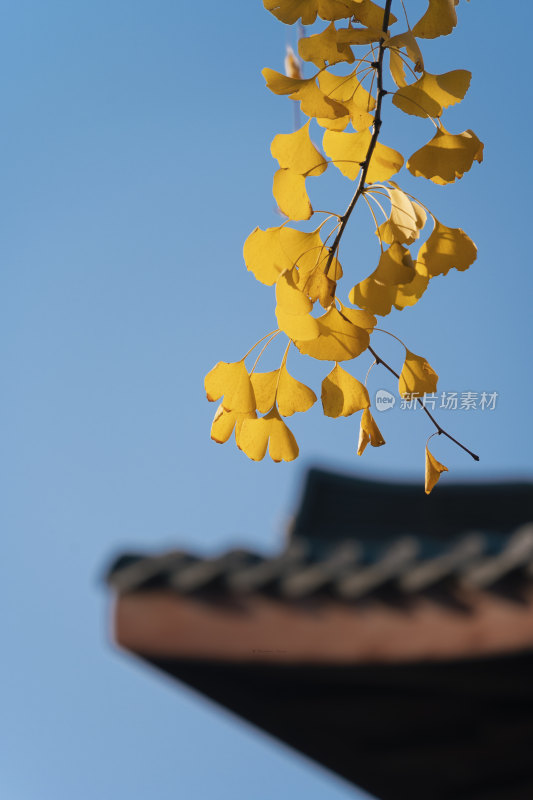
272, 337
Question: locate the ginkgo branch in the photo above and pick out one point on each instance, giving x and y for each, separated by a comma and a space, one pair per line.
440, 429
373, 140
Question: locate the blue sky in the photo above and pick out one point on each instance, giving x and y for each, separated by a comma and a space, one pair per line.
135, 144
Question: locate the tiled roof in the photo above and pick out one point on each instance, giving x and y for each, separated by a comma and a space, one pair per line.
348, 570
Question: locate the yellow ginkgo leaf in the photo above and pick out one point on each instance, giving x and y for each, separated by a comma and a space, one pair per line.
225, 421
322, 48
291, 195
280, 387
434, 469
439, 20
407, 218
293, 396
431, 93
269, 431
368, 433
407, 294
231, 382
357, 36
355, 99
369, 14
395, 265
296, 151
348, 151
360, 318
264, 256
406, 40
374, 296
289, 11
338, 124
344, 88
265, 385
289, 295
417, 376
446, 157
339, 339
342, 394
303, 327
279, 83
360, 117
319, 287
307, 252
397, 68
294, 307
377, 293
446, 248
313, 101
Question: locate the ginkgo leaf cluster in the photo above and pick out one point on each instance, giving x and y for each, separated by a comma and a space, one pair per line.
338, 81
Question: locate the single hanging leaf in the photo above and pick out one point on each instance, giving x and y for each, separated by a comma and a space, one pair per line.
407, 218
293, 396
269, 431
291, 195
339, 339
231, 382
280, 387
225, 421
264, 256
293, 308
368, 433
296, 151
434, 469
417, 376
431, 93
446, 248
322, 48
439, 20
446, 157
342, 394
349, 150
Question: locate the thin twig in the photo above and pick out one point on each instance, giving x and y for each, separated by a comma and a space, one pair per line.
440, 429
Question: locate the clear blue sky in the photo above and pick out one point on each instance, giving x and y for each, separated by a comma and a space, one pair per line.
135, 161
